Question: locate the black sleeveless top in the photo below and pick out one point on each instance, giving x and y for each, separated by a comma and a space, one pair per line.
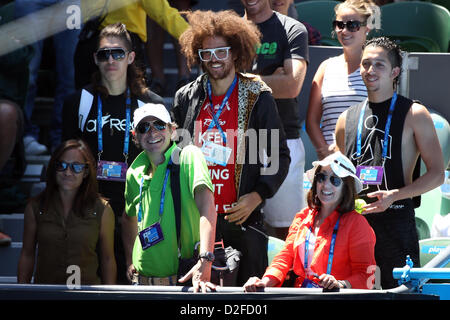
374, 122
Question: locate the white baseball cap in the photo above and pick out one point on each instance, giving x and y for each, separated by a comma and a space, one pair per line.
151, 109
341, 166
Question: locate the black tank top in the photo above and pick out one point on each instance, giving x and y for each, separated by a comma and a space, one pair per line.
374, 122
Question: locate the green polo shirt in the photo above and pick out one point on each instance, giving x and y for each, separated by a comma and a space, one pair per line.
161, 260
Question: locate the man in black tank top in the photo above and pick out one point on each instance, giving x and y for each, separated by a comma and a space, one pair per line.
385, 137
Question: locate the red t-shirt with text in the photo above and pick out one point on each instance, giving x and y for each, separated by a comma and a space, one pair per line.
222, 177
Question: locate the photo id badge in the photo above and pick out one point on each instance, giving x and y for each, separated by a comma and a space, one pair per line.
111, 170
151, 236
216, 153
370, 174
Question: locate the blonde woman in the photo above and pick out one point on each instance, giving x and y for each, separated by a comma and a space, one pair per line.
337, 83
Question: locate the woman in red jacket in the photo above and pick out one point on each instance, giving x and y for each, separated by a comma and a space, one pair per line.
329, 244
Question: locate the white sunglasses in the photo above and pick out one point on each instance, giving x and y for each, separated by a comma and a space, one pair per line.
207, 54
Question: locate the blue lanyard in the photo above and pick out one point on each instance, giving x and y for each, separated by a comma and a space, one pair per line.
386, 129
215, 119
126, 142
330, 255
163, 194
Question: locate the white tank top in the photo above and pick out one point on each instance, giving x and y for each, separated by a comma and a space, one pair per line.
340, 90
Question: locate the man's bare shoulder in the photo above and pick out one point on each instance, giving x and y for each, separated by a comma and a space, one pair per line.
418, 116
417, 108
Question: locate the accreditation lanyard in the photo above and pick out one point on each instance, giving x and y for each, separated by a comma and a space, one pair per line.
386, 129
330, 255
163, 194
126, 142
216, 116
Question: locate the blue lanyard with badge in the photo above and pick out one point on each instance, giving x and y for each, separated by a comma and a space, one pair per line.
113, 170
307, 283
373, 174
152, 234
214, 152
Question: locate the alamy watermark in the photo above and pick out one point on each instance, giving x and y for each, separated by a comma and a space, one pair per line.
252, 146
73, 20
374, 280
74, 280
374, 21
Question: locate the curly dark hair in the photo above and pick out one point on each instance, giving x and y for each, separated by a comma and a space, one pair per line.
242, 35
135, 76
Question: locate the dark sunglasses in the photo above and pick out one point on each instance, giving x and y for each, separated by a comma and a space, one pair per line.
144, 127
76, 167
104, 54
352, 25
335, 181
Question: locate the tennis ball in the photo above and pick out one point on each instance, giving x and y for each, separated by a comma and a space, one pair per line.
359, 205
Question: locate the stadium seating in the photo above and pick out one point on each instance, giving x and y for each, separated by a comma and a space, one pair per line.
444, 3
320, 14
417, 26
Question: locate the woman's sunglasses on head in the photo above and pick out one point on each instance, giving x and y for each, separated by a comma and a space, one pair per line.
352, 25
144, 127
117, 54
76, 167
335, 181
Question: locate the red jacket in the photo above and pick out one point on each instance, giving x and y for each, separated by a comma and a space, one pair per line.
353, 251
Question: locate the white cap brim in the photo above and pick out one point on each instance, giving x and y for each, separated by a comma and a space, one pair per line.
341, 166
158, 111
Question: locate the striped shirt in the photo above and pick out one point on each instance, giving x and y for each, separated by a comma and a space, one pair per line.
340, 90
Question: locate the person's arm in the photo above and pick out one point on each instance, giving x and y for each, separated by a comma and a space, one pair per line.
426, 140
129, 234
314, 114
284, 260
281, 263
167, 17
254, 283
193, 166
204, 198
287, 81
340, 132
106, 240
361, 252
129, 222
244, 207
27, 254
